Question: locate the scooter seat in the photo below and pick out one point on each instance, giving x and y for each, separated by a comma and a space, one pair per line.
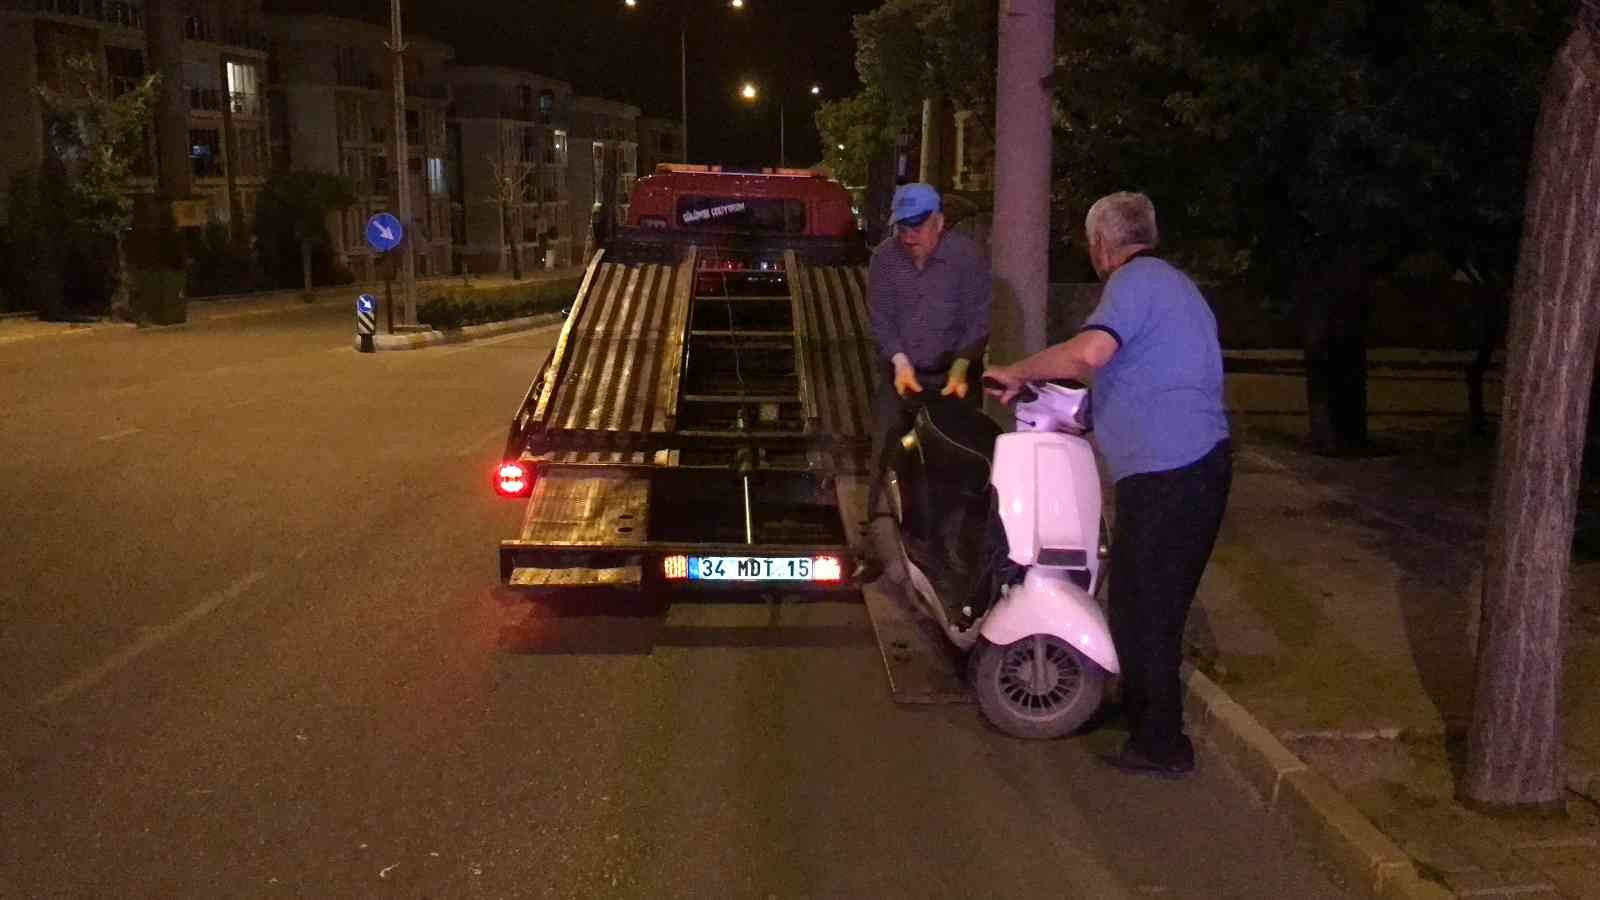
957, 440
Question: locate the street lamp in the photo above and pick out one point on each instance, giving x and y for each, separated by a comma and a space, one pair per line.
683, 62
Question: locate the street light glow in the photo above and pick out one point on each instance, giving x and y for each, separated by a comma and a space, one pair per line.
736, 4
748, 91
816, 90
841, 146
630, 3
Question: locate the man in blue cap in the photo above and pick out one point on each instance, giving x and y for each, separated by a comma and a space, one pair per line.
928, 294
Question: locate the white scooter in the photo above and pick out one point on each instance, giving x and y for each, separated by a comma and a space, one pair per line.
999, 539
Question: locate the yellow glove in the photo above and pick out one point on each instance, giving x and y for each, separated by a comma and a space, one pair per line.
905, 377
956, 382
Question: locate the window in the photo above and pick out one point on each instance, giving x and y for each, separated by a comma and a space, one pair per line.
555, 150
437, 185
196, 27
244, 89
547, 101
524, 98
351, 124
528, 152
130, 15
205, 153
379, 167
249, 152
204, 83
353, 165
125, 68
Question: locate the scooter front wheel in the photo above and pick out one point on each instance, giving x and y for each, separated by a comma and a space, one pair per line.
1037, 687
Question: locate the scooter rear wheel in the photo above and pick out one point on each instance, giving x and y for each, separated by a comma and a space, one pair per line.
1038, 687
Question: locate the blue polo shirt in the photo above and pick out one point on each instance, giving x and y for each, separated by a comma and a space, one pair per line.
1158, 402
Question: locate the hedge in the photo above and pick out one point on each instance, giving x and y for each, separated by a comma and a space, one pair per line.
458, 308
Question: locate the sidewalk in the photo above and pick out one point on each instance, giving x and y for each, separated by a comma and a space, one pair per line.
19, 327
1339, 611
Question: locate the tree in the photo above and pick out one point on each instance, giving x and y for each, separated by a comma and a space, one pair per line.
292, 226
1515, 754
511, 171
96, 136
855, 131
1308, 149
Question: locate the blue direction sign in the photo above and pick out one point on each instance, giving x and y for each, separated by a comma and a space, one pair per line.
366, 314
384, 232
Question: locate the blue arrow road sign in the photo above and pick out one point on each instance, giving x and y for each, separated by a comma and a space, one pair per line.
384, 232
366, 314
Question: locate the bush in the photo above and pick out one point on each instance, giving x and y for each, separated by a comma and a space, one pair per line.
219, 263
472, 307
157, 297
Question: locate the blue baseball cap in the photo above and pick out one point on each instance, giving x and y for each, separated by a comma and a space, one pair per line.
913, 203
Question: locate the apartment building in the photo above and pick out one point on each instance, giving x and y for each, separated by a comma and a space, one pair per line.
509, 131
603, 153
333, 105
660, 141
224, 65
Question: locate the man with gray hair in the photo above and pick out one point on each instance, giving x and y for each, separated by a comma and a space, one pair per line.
1150, 349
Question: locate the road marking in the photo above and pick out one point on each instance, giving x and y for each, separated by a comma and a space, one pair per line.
152, 639
478, 444
118, 435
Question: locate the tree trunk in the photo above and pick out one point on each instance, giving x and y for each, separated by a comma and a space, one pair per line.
1335, 305
1515, 753
121, 307
305, 265
512, 246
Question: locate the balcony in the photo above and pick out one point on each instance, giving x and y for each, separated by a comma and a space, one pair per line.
248, 105
427, 90
112, 12
204, 99
359, 78
246, 38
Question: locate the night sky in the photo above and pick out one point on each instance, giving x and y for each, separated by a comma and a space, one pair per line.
607, 50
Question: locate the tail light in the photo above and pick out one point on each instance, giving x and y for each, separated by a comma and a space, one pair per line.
675, 568
827, 568
513, 479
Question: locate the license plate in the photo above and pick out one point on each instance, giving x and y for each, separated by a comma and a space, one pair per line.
760, 568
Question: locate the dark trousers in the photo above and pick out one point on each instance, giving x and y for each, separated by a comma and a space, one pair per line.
1166, 527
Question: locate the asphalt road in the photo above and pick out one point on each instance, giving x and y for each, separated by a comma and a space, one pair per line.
249, 650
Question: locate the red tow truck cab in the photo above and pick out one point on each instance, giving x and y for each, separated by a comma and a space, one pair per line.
710, 200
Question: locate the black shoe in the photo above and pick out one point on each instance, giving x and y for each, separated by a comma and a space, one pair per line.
1134, 761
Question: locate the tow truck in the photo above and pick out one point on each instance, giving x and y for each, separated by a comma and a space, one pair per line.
703, 419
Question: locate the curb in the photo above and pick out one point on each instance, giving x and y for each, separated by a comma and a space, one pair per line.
1584, 784
424, 339
1299, 799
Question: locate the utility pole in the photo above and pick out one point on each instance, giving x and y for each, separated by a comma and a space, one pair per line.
1020, 247
402, 165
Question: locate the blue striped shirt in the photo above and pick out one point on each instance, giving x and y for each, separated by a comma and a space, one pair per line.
933, 315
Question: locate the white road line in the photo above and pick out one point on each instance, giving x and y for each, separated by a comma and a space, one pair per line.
152, 639
478, 444
118, 435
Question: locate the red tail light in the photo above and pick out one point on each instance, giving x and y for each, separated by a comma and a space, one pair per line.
827, 568
513, 480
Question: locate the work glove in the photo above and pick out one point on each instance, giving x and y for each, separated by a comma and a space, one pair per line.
905, 377
956, 382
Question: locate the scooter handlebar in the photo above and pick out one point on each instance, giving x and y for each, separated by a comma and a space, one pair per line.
1025, 394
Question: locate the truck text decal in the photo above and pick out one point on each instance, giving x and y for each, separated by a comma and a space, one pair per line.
714, 212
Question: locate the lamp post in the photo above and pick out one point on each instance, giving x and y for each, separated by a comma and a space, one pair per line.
683, 63
408, 261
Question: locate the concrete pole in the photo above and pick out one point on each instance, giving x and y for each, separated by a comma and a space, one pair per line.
1023, 112
683, 80
402, 165
934, 165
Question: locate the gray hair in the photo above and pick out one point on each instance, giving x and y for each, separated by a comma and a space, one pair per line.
1123, 219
